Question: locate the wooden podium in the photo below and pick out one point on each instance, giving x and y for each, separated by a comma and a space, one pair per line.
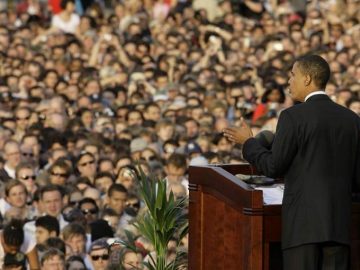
230, 228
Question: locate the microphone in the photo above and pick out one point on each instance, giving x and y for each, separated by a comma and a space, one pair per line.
265, 138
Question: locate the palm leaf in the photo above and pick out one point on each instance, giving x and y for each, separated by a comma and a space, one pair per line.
163, 220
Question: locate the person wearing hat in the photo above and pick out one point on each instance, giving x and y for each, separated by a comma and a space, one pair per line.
15, 261
192, 149
99, 254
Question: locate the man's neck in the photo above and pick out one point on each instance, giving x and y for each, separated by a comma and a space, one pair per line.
313, 93
8, 166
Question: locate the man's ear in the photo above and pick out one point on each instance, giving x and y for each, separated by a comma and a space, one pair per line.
307, 80
53, 234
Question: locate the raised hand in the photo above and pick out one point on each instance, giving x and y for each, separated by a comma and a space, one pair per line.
238, 134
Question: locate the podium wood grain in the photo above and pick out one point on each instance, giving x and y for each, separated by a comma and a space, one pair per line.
231, 229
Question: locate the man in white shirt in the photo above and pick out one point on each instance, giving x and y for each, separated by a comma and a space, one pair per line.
67, 20
12, 156
51, 203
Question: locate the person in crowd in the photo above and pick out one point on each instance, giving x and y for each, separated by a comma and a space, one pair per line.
59, 172
26, 174
86, 165
103, 181
175, 169
12, 157
99, 254
66, 20
51, 203
53, 259
46, 227
309, 231
15, 196
112, 218
75, 263
89, 208
55, 242
13, 239
354, 105
14, 261
88, 87
116, 200
131, 260
74, 236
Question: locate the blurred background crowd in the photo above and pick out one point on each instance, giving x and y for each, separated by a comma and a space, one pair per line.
91, 90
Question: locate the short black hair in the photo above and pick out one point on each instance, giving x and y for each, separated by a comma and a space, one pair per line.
109, 212
116, 187
88, 200
56, 242
13, 233
316, 67
49, 188
104, 174
177, 160
63, 3
51, 224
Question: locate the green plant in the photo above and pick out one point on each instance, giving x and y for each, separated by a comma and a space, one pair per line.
163, 219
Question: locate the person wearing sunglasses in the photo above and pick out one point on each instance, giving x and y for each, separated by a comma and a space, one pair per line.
28, 156
25, 172
86, 165
89, 209
59, 172
99, 254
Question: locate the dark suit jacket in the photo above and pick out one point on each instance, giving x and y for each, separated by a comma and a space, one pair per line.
317, 151
4, 177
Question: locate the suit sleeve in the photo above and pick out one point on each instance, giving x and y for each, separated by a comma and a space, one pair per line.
274, 162
356, 180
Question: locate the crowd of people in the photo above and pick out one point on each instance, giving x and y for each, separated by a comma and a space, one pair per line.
92, 91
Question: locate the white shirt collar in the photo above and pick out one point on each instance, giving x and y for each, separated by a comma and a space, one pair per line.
10, 171
314, 93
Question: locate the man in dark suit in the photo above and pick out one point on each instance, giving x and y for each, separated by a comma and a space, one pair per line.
317, 150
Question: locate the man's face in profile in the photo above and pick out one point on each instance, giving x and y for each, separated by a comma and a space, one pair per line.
296, 86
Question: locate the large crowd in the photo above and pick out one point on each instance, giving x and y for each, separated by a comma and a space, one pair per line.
93, 91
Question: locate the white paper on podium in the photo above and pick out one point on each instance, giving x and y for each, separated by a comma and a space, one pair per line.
273, 194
